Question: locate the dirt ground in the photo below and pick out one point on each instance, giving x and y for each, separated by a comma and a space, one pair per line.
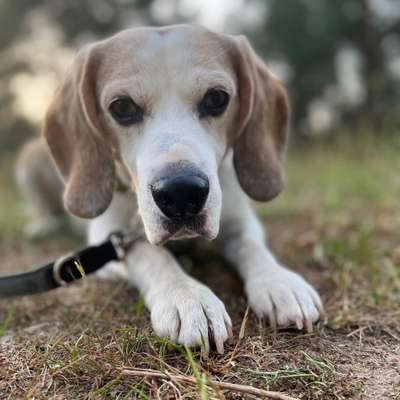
94, 340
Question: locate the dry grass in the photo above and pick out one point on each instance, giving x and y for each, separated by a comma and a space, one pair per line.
85, 341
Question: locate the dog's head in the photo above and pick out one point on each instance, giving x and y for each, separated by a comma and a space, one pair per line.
168, 104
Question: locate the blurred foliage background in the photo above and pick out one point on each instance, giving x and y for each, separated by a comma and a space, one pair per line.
340, 59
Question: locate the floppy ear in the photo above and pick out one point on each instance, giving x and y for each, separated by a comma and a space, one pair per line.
261, 125
78, 140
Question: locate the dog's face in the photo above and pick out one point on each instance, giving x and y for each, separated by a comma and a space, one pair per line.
170, 107
167, 104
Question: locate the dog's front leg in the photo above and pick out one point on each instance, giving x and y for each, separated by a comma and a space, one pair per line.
182, 308
273, 291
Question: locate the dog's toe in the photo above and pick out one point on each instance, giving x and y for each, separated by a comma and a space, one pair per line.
166, 322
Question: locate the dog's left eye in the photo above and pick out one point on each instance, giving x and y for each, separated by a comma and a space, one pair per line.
125, 111
214, 103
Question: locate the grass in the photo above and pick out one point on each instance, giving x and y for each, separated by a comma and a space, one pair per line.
337, 224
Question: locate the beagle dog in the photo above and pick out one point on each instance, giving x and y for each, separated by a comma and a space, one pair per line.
195, 125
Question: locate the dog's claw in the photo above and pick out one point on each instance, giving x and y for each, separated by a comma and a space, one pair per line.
272, 321
309, 325
299, 324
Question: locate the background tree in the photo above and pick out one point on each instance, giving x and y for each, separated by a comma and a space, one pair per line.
307, 35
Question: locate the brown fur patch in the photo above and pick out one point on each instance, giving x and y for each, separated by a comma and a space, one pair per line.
260, 130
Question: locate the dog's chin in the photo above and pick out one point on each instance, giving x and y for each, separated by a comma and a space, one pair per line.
182, 230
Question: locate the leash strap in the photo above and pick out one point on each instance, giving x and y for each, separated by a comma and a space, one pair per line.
66, 269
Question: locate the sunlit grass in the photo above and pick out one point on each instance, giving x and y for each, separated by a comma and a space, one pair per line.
342, 176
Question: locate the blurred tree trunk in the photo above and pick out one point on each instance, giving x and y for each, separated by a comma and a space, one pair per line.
370, 46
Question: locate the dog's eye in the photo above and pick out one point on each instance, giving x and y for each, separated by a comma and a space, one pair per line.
125, 111
213, 103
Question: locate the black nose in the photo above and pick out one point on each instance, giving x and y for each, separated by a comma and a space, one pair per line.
180, 197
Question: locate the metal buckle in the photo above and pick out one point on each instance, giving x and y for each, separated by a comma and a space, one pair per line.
122, 241
117, 240
57, 268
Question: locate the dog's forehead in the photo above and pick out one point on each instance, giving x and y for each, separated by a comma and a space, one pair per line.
176, 48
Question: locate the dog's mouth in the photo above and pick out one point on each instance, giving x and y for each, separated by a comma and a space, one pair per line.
189, 228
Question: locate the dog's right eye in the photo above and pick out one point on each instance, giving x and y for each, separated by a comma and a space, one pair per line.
125, 111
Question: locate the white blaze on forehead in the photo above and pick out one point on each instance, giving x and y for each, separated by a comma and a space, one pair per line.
160, 45
161, 56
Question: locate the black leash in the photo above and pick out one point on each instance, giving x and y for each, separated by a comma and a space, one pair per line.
68, 268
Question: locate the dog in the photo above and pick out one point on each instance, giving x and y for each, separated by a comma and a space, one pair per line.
193, 125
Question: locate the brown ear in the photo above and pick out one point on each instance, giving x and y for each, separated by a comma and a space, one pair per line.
261, 126
78, 141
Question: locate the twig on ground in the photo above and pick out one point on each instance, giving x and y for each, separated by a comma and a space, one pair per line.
241, 336
223, 385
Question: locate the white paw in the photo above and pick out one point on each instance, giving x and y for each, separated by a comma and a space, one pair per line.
189, 313
285, 298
